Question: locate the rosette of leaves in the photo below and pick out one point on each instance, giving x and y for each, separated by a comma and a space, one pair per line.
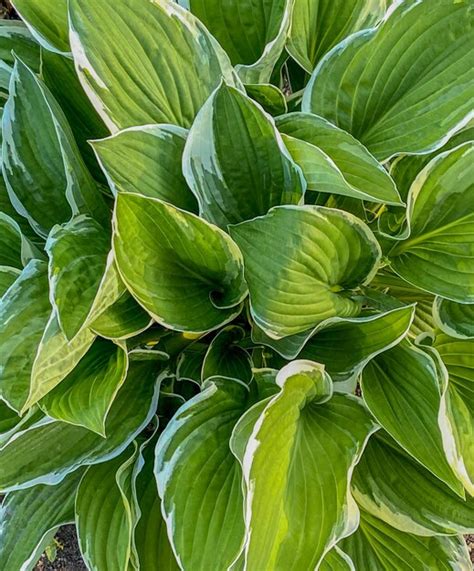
237, 284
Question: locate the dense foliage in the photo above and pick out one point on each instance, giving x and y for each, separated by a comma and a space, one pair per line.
237, 280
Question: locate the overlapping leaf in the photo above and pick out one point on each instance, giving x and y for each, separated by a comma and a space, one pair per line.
454, 319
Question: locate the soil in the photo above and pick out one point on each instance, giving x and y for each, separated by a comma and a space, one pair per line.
68, 556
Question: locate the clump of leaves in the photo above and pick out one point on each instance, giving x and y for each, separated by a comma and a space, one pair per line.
237, 279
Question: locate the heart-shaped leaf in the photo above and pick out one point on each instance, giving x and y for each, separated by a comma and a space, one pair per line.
454, 319
224, 357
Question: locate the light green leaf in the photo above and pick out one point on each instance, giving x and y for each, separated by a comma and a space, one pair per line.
438, 256
24, 313
168, 85
454, 319
45, 175
55, 358
336, 560
317, 257
104, 516
147, 160
235, 161
151, 538
402, 390
297, 467
8, 276
268, 96
328, 151
26, 458
390, 86
224, 357
15, 249
458, 358
376, 545
78, 254
194, 447
28, 517
85, 396
47, 21
191, 273
391, 485
318, 25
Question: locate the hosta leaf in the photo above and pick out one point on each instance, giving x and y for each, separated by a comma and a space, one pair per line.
454, 319
151, 538
318, 25
86, 395
15, 37
297, 466
189, 362
376, 545
26, 459
391, 485
336, 560
389, 86
191, 273
147, 160
316, 257
47, 21
402, 390
439, 254
235, 161
104, 517
8, 275
15, 250
24, 313
55, 358
46, 178
340, 156
458, 357
146, 85
194, 447
28, 517
225, 358
268, 96
78, 254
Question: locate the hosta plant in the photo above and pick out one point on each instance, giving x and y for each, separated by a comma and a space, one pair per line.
237, 284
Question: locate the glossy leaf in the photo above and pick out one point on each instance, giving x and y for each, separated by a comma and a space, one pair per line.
225, 358
235, 161
402, 390
333, 153
179, 286
85, 396
297, 466
26, 460
168, 85
15, 249
390, 86
268, 96
454, 319
317, 257
438, 256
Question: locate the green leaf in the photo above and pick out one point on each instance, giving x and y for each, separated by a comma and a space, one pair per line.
26, 459
318, 25
194, 447
15, 37
24, 313
235, 161
15, 250
191, 273
55, 358
147, 160
46, 178
8, 276
189, 362
328, 151
147, 85
389, 86
297, 467
376, 545
318, 256
47, 21
454, 319
151, 538
104, 516
391, 485
224, 357
85, 396
458, 358
268, 96
439, 254
336, 560
28, 517
402, 390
